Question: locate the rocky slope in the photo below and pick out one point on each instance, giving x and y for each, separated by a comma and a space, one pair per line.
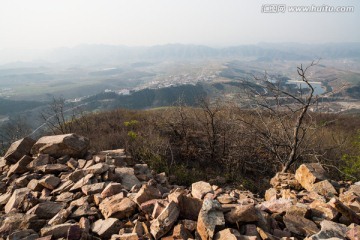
55, 189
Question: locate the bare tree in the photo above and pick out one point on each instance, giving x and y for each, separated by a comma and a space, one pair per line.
282, 120
59, 117
14, 129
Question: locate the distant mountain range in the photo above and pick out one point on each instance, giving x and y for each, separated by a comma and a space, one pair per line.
107, 54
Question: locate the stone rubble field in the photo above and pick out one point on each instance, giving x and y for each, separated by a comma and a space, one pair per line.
56, 189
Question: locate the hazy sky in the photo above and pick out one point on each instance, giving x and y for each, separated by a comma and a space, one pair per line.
39, 24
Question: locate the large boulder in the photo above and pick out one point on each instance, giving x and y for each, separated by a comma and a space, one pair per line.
210, 218
300, 225
60, 145
46, 210
330, 229
227, 234
310, 173
117, 207
57, 231
20, 166
200, 189
163, 223
242, 213
128, 178
146, 193
16, 199
18, 149
106, 228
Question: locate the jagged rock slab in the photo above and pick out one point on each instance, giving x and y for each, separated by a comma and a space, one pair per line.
57, 231
16, 199
50, 182
98, 168
310, 173
300, 225
82, 182
52, 168
146, 193
46, 210
323, 210
200, 189
20, 166
210, 217
111, 189
26, 234
18, 149
242, 213
324, 188
94, 188
106, 228
163, 223
61, 145
117, 207
330, 229
128, 178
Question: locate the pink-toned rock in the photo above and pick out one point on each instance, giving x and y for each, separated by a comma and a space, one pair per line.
227, 234
106, 228
60, 217
300, 225
18, 149
180, 232
324, 188
98, 168
242, 213
353, 232
128, 178
46, 210
82, 182
117, 207
94, 188
210, 217
310, 173
20, 166
16, 199
146, 193
323, 210
76, 175
330, 230
51, 168
50, 182
72, 163
111, 189
226, 198
163, 223
270, 194
158, 208
276, 205
200, 189
35, 185
125, 236
189, 206
57, 231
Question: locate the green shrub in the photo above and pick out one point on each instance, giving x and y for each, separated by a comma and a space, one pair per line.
351, 167
185, 176
351, 162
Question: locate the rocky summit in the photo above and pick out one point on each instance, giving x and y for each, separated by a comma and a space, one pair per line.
56, 189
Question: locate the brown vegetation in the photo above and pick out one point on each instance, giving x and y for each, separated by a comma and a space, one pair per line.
212, 141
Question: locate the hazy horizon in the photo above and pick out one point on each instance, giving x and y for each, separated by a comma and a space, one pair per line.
31, 27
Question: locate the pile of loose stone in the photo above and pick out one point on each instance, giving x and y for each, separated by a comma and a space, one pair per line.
55, 189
